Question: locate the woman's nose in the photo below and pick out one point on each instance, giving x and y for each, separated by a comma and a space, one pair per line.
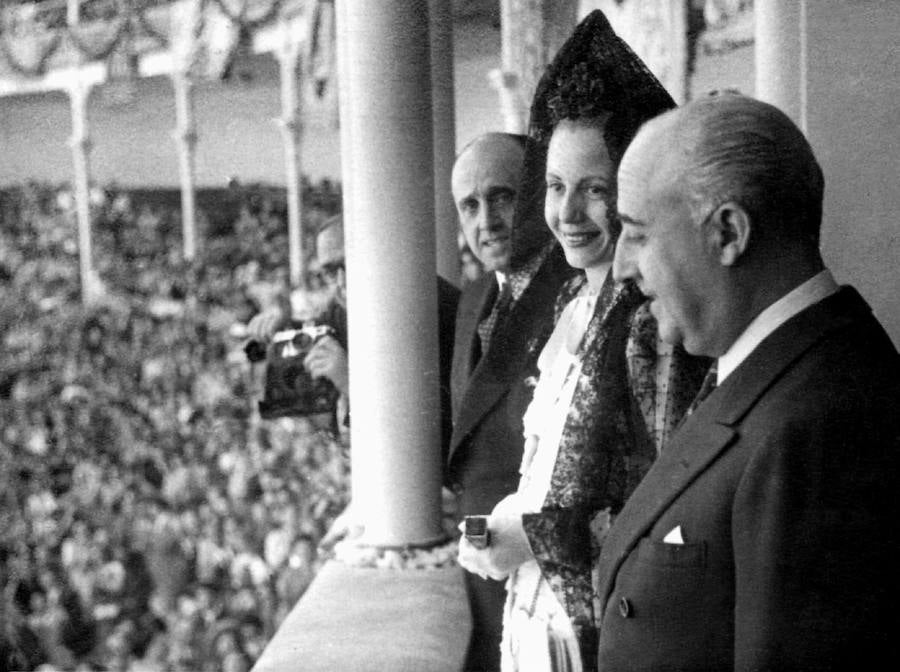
570, 207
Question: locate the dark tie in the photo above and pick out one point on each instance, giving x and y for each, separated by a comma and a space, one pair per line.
706, 388
498, 312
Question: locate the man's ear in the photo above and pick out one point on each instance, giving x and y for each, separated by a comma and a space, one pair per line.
729, 229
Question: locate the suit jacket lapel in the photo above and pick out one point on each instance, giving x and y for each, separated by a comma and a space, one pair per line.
710, 430
515, 342
466, 349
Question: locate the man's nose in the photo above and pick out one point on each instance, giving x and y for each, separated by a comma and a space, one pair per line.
624, 267
491, 217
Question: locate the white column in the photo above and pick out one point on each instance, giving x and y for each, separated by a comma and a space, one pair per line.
80, 141
781, 56
388, 169
291, 126
657, 32
444, 118
185, 135
532, 31
505, 79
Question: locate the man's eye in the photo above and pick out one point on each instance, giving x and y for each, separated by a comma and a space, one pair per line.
554, 187
503, 198
469, 207
597, 191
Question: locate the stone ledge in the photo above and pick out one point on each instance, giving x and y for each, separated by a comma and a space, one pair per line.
360, 620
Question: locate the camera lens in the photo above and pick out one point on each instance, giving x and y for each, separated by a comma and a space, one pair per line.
255, 351
302, 340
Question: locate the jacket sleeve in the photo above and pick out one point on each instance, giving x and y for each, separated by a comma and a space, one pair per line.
815, 543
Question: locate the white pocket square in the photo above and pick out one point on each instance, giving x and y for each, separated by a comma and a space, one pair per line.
674, 537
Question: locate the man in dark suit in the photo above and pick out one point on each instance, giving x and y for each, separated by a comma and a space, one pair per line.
502, 322
765, 537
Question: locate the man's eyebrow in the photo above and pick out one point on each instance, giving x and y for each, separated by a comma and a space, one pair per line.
625, 219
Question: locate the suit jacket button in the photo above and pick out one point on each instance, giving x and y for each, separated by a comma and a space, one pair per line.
625, 608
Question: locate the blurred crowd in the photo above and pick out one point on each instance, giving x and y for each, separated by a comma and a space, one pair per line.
150, 519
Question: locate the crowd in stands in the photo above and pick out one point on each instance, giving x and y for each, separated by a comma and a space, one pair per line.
150, 519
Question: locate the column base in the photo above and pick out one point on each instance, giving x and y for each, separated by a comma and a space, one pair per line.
430, 554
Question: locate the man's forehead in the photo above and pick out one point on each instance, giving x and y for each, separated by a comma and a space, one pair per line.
635, 180
330, 245
647, 171
493, 158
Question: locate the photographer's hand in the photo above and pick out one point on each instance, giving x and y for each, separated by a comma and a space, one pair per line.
328, 359
264, 325
508, 547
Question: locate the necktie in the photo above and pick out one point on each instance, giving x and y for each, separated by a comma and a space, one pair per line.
495, 317
706, 387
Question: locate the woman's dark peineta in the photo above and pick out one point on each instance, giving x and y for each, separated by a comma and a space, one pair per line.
577, 93
595, 73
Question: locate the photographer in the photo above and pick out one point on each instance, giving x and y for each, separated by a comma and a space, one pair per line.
327, 357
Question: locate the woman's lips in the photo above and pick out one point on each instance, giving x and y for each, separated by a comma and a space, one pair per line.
579, 239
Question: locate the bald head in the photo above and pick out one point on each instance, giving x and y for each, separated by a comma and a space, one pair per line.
731, 147
485, 184
330, 241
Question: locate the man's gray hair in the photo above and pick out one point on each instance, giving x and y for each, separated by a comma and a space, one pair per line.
743, 150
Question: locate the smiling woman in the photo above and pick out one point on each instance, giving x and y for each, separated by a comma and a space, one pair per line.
580, 197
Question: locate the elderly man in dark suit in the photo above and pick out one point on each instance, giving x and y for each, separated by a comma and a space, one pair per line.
502, 322
765, 537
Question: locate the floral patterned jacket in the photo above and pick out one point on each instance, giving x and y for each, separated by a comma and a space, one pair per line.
630, 395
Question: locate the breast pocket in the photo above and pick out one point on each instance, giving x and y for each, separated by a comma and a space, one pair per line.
661, 554
657, 576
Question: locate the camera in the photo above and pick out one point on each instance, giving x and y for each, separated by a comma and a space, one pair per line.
289, 388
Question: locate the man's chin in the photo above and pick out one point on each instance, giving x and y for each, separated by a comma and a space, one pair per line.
496, 260
667, 331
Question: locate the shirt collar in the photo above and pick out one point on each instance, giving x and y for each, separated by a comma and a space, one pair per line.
818, 287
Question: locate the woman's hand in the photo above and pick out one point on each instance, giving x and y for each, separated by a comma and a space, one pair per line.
508, 546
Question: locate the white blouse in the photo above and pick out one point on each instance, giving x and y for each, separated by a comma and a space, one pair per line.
532, 609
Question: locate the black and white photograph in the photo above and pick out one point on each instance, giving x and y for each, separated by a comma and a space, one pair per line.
449, 335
